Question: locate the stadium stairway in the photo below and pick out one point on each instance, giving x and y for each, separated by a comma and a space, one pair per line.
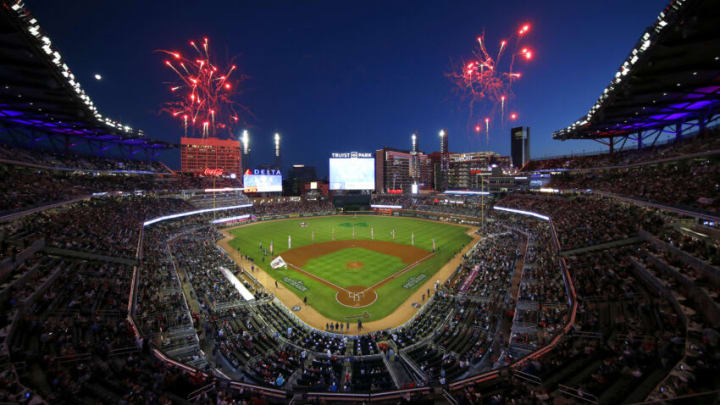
399, 371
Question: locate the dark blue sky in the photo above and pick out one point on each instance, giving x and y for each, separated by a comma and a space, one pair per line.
339, 76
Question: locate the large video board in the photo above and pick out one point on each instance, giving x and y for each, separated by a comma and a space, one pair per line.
352, 171
262, 181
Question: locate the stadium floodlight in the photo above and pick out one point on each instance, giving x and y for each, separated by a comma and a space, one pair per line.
98, 76
277, 144
442, 133
245, 141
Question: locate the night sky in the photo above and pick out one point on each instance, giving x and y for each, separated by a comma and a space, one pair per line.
349, 76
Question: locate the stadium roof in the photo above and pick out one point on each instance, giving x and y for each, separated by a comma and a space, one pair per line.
39, 92
671, 76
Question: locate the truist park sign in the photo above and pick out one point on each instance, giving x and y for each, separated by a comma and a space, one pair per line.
351, 155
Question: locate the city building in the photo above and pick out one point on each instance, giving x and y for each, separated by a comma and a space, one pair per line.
520, 146
397, 170
210, 155
465, 168
298, 177
316, 189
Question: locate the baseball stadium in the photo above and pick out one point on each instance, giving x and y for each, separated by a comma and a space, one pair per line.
312, 222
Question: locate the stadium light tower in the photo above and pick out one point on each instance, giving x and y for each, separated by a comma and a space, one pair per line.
414, 169
444, 147
444, 159
245, 140
277, 149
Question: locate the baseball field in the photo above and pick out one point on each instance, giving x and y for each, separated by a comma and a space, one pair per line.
349, 267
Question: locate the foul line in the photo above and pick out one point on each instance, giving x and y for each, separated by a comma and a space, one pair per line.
314, 277
399, 273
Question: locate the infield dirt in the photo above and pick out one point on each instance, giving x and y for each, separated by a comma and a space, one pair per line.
355, 296
300, 255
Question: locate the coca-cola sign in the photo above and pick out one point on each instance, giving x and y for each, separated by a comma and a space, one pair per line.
213, 172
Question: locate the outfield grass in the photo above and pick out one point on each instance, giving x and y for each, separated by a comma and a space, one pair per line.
449, 239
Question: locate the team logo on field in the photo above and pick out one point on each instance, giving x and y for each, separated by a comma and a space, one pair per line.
413, 281
298, 284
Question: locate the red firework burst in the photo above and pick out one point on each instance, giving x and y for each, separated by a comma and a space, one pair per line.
488, 80
203, 95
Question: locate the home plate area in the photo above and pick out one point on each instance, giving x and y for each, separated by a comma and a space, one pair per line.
356, 296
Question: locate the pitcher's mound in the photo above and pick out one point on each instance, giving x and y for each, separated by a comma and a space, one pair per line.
355, 265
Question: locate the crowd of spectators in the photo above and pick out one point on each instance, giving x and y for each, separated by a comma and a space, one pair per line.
699, 246
219, 199
33, 179
199, 259
623, 343
424, 326
491, 265
691, 183
64, 160
583, 221
403, 200
470, 206
76, 337
26, 187
301, 206
108, 226
542, 300
708, 141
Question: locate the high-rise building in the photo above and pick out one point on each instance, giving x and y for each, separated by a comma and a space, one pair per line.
207, 155
520, 146
414, 160
394, 170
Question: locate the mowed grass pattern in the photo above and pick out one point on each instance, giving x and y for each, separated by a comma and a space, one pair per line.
449, 239
333, 267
